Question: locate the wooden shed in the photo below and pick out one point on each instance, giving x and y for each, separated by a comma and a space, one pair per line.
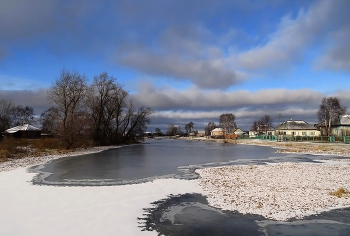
23, 131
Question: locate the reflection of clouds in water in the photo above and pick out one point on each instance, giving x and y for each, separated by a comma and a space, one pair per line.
172, 211
189, 214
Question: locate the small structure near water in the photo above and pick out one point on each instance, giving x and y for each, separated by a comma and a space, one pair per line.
23, 131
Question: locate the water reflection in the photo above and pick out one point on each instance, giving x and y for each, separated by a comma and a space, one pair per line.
190, 214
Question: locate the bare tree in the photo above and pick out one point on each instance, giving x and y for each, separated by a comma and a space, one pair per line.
265, 123
189, 127
104, 99
157, 131
172, 130
12, 115
68, 93
23, 115
49, 120
266, 120
227, 121
209, 127
329, 112
255, 126
179, 130
6, 113
136, 123
114, 117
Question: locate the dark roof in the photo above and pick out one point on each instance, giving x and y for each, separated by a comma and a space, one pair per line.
295, 124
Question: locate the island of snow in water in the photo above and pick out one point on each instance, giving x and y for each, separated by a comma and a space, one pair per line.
278, 191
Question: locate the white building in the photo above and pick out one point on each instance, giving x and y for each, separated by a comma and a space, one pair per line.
297, 128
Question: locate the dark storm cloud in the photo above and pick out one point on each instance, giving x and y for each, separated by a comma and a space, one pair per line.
33, 98
178, 107
197, 99
337, 56
27, 18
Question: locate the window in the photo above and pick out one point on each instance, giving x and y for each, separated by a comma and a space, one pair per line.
312, 133
293, 133
304, 133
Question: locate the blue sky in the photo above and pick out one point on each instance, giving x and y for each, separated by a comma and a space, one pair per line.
187, 60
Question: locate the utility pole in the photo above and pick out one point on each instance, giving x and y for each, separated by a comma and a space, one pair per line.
279, 123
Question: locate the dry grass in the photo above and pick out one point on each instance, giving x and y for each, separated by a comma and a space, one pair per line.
11, 147
16, 148
340, 192
47, 143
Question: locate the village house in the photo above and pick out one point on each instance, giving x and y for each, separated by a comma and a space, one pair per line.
343, 127
200, 133
217, 132
238, 131
262, 130
23, 131
297, 128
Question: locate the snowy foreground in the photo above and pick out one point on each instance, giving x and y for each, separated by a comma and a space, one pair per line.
278, 191
28, 209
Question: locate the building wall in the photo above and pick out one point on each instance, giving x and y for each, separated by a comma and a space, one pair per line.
217, 133
253, 133
341, 131
300, 132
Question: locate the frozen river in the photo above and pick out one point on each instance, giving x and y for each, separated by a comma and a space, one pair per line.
151, 160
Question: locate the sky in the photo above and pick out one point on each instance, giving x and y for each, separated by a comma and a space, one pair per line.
190, 61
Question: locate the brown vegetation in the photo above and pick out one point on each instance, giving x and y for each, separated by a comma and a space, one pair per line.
13, 148
340, 192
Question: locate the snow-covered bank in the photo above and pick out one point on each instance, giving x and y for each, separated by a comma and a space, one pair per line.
28, 209
277, 191
37, 160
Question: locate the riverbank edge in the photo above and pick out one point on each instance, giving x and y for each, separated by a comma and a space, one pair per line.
42, 159
311, 148
213, 182
280, 195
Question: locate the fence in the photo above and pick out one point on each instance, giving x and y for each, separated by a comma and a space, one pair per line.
345, 139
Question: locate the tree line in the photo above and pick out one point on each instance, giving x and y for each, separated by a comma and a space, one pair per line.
100, 112
227, 122
13, 115
329, 113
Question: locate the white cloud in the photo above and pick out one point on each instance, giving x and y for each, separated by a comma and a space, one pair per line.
324, 24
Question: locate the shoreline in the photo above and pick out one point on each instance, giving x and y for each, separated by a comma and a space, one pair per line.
312, 148
38, 160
